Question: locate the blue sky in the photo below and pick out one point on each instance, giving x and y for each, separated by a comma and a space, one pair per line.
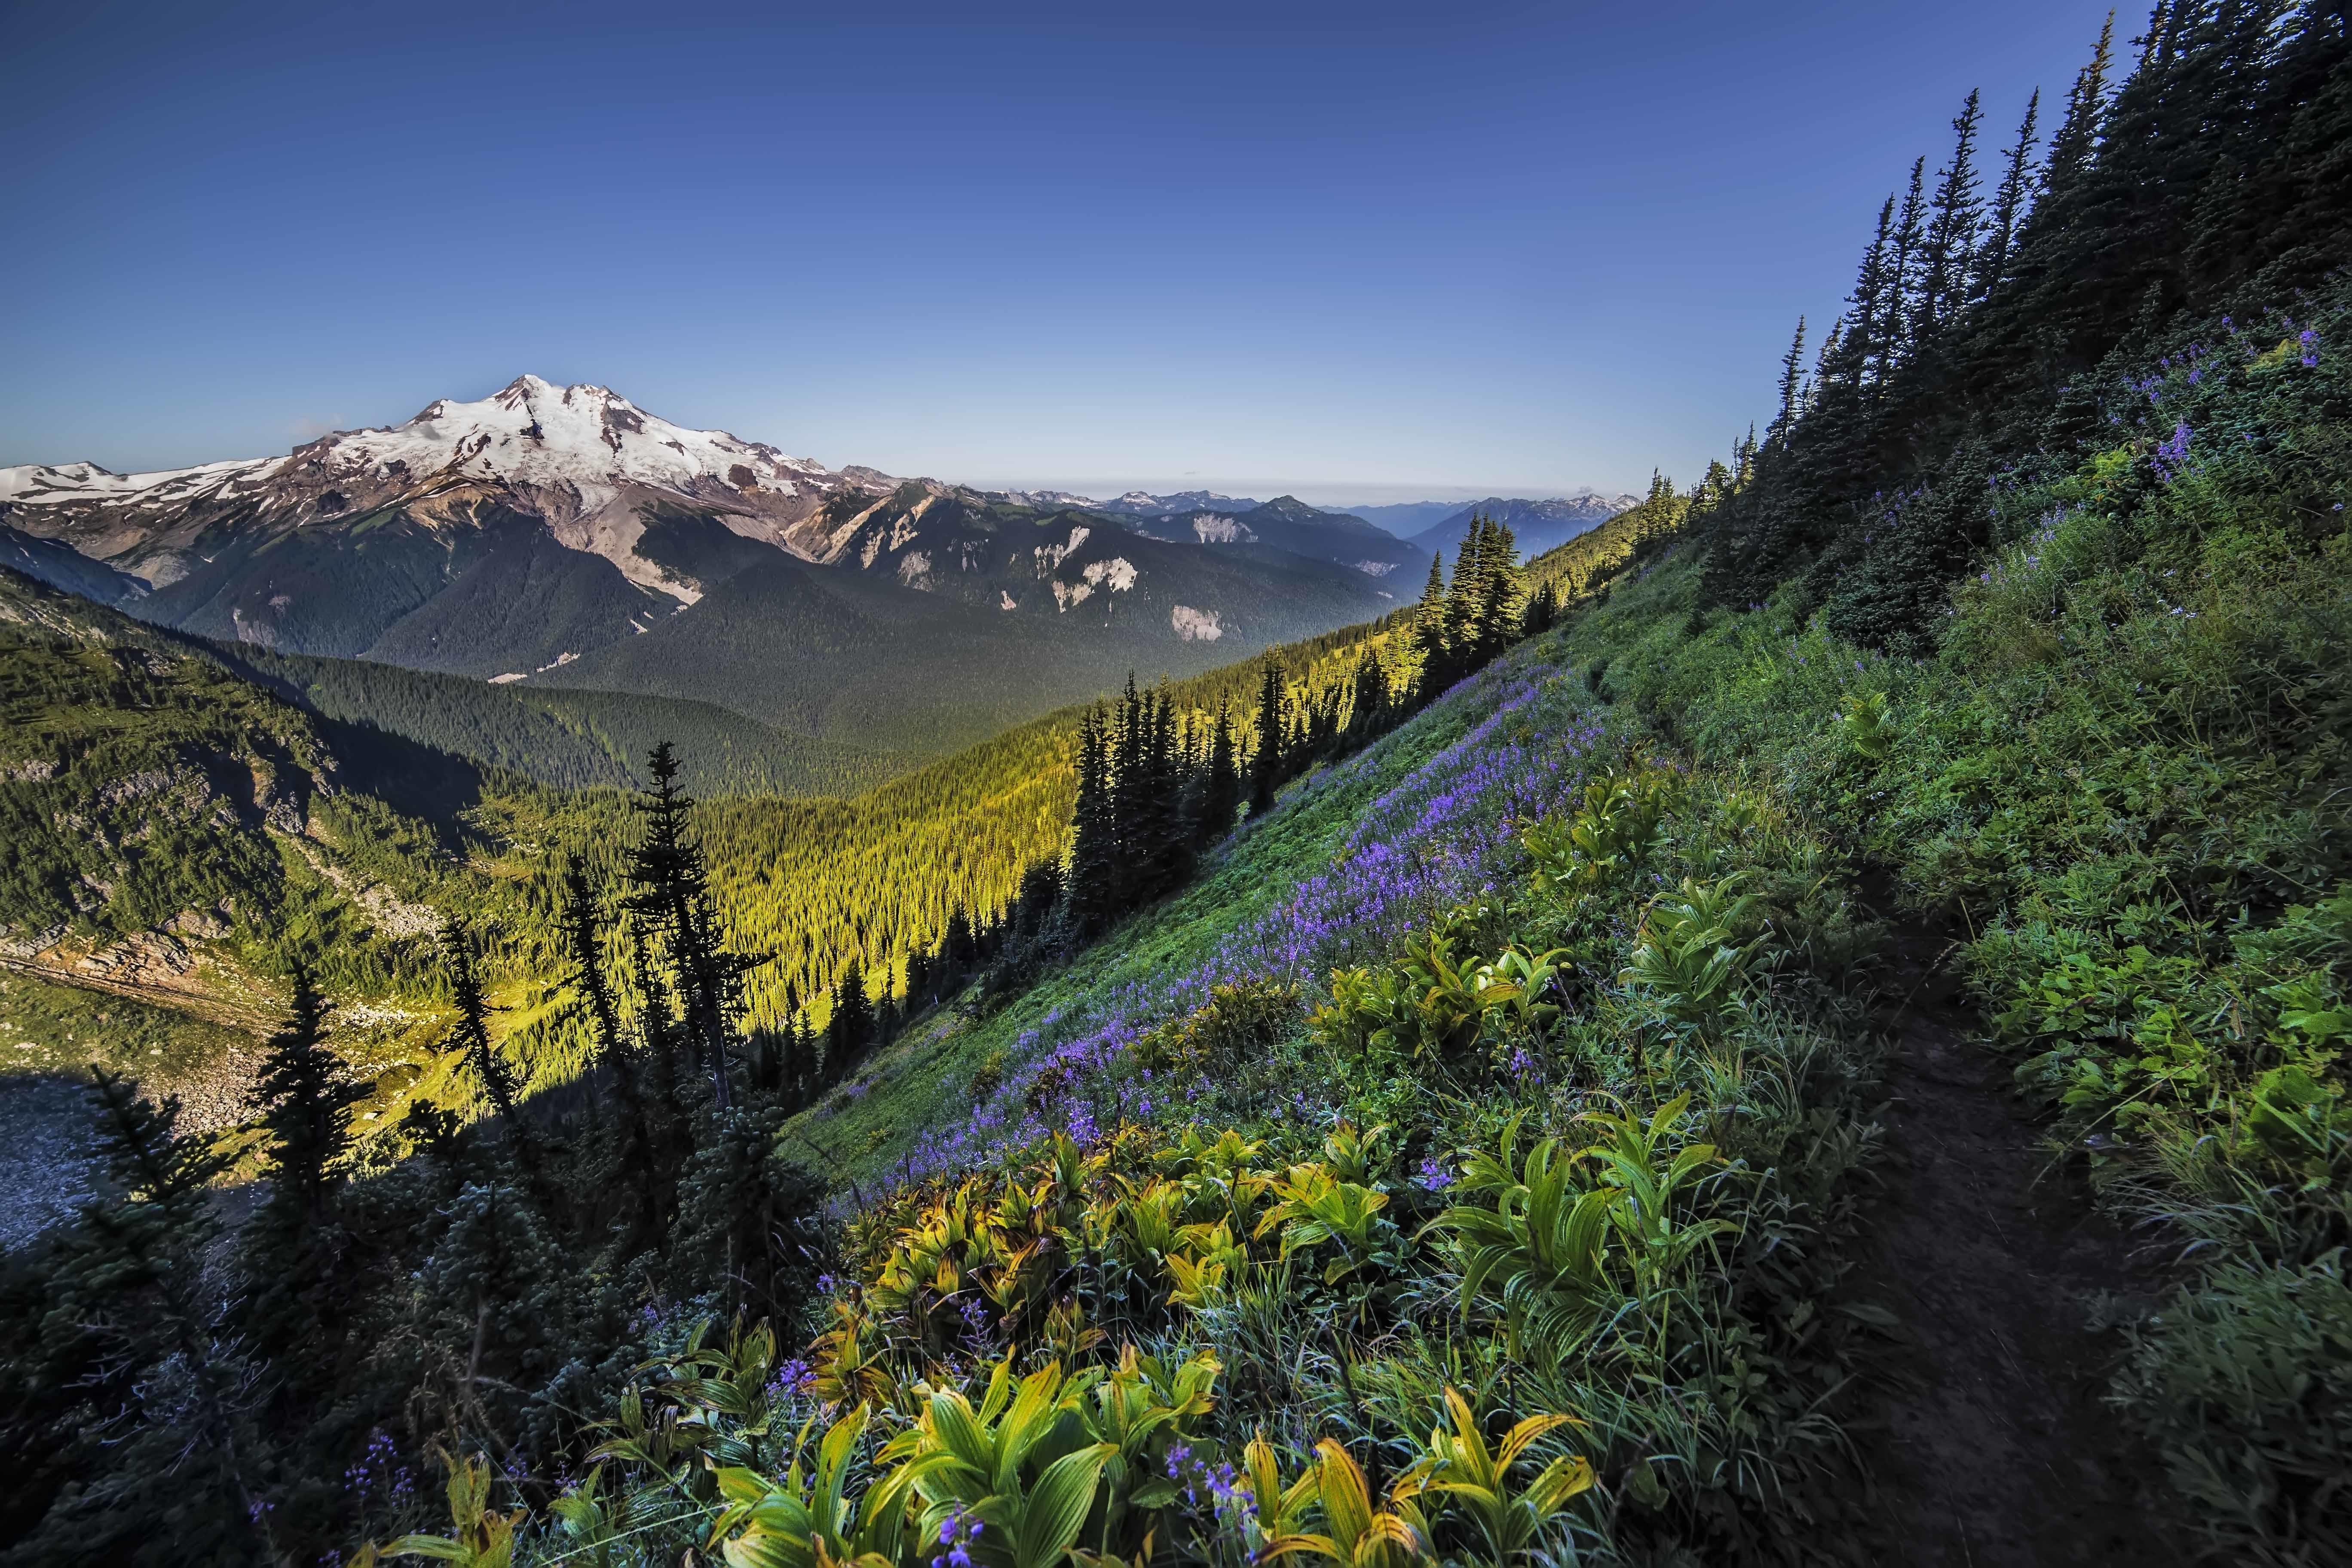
1361, 252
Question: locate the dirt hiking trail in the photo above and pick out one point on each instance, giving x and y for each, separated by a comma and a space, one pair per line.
1991, 1448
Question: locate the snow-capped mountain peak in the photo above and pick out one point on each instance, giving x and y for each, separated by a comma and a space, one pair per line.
583, 459
532, 432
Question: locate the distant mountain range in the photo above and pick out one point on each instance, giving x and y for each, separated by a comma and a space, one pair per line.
1405, 519
1288, 523
1409, 520
1536, 525
562, 536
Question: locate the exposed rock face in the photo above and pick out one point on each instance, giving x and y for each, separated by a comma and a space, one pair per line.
535, 495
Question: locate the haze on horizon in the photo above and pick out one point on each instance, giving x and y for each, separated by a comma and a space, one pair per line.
1361, 254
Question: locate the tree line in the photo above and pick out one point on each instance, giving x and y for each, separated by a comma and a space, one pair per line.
2209, 185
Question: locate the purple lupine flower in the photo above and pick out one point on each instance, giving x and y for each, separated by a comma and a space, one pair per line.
2172, 456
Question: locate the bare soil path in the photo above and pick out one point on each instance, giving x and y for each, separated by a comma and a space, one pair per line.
1993, 1448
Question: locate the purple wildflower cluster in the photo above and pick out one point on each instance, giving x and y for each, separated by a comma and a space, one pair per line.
792, 1376
2034, 546
1219, 1485
1444, 833
379, 1472
957, 1532
2172, 456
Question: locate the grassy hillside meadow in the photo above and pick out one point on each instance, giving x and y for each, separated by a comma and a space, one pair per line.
1486, 1158
2115, 781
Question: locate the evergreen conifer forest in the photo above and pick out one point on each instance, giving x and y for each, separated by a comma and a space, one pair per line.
1806, 1025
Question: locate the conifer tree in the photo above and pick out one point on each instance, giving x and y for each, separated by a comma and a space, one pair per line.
1498, 602
919, 991
656, 1036
671, 889
1220, 782
1902, 284
305, 1100
1949, 245
1428, 634
2008, 205
851, 1029
1543, 607
636, 1154
1791, 375
1163, 833
1462, 601
1093, 879
1368, 696
1265, 765
2077, 140
293, 1246
471, 1034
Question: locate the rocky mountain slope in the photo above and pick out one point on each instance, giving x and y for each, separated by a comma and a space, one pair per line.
543, 533
1288, 523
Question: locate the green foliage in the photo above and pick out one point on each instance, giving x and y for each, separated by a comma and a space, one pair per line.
2120, 776
1511, 1522
1608, 835
1689, 963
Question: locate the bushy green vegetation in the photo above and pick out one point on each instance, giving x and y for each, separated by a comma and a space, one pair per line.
2119, 778
1467, 1163
1600, 1209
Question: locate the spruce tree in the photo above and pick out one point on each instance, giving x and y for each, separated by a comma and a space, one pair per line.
1093, 879
1368, 696
293, 1247
1429, 629
1462, 601
1543, 607
1498, 602
1949, 247
671, 889
1164, 838
471, 1034
578, 924
1904, 281
1267, 763
2008, 205
1221, 783
1791, 375
851, 1029
305, 1099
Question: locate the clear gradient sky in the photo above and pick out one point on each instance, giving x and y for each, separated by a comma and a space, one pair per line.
1361, 252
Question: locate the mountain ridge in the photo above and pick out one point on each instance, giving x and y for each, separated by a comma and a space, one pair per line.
518, 537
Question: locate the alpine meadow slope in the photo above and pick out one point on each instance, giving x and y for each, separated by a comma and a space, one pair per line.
1421, 1098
